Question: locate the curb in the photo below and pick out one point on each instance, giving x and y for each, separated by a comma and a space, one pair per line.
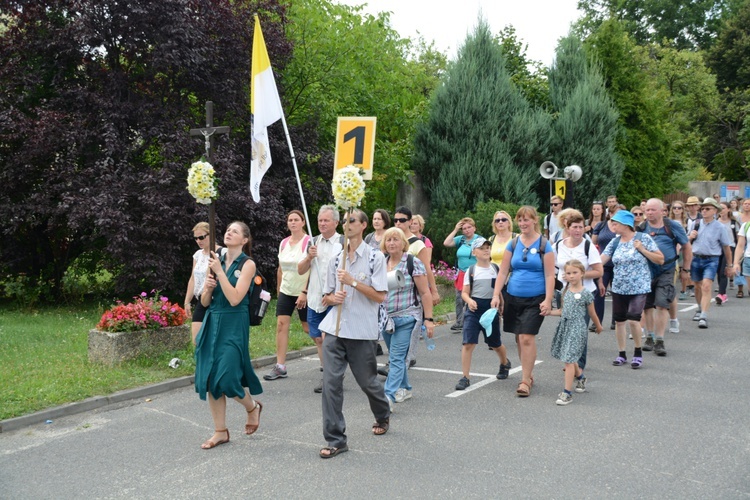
97, 402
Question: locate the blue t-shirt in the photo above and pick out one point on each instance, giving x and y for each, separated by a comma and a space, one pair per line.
605, 235
527, 278
464, 257
666, 244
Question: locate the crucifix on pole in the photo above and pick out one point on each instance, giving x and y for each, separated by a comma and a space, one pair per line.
208, 132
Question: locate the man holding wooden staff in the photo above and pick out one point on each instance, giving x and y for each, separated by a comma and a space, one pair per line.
356, 287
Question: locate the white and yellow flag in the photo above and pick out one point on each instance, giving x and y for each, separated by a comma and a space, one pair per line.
265, 106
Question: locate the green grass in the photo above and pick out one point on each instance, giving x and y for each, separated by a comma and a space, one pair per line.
44, 357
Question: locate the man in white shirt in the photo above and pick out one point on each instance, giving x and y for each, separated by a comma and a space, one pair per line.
551, 224
324, 247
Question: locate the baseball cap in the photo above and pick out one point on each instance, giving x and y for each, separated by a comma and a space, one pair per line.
478, 243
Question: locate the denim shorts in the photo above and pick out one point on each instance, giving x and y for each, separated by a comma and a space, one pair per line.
314, 319
704, 268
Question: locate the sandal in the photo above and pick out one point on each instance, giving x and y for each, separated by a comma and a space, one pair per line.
524, 389
213, 444
380, 428
249, 428
619, 361
740, 294
636, 363
329, 452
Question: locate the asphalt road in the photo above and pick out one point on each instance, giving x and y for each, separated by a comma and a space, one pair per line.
677, 428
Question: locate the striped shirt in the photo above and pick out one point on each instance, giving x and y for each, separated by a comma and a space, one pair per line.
359, 315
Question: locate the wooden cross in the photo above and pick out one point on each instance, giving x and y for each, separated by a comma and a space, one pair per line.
208, 132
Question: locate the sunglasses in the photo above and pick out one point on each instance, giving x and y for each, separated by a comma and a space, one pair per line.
400, 220
676, 208
707, 208
352, 220
637, 214
556, 204
501, 219
525, 254
598, 202
200, 238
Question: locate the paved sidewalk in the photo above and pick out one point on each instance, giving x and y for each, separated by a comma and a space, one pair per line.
677, 428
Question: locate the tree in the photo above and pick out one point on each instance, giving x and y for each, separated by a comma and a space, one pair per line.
585, 129
687, 24
481, 140
98, 97
349, 64
533, 85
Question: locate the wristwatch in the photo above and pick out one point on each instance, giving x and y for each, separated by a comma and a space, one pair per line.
429, 319
354, 284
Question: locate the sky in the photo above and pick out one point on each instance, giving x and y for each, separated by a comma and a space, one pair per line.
538, 23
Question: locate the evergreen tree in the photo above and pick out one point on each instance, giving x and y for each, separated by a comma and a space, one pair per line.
482, 140
585, 129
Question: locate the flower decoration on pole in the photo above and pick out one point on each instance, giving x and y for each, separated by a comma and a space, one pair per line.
348, 188
203, 183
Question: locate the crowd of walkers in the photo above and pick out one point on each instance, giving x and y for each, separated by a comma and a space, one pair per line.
353, 290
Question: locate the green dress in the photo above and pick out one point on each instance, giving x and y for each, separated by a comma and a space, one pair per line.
222, 353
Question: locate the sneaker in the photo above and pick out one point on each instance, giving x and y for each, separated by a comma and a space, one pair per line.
612, 326
674, 326
276, 372
318, 388
683, 296
412, 363
692, 292
731, 284
564, 399
581, 384
390, 403
384, 370
592, 328
702, 323
379, 352
463, 384
697, 315
648, 345
455, 327
659, 348
402, 395
504, 370
721, 299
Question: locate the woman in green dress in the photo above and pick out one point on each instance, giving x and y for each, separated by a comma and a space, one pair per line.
222, 354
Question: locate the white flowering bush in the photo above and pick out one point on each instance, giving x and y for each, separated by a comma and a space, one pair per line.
202, 182
348, 187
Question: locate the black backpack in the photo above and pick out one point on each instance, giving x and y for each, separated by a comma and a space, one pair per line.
256, 305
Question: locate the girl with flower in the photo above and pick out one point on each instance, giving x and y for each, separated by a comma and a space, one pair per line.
222, 356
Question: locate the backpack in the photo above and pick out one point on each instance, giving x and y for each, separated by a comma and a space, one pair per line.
586, 248
654, 268
667, 229
257, 300
305, 242
413, 239
470, 272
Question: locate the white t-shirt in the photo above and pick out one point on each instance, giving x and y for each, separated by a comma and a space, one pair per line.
292, 283
482, 283
563, 254
554, 225
745, 231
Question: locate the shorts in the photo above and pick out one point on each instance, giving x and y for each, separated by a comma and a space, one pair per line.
522, 314
662, 291
199, 312
472, 327
314, 319
627, 307
704, 268
285, 306
746, 266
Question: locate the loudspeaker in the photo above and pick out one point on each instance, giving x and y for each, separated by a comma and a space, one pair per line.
548, 170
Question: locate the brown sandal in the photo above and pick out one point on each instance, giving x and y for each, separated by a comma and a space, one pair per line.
740, 294
249, 428
211, 444
524, 389
380, 428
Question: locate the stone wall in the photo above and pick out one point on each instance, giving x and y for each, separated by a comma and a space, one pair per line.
112, 348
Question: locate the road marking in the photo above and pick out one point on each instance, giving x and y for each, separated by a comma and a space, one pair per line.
490, 379
688, 308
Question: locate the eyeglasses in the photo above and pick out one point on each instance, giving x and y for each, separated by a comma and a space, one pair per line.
556, 204
501, 219
706, 208
200, 238
400, 220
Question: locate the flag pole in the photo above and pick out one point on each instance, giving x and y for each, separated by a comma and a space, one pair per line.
296, 173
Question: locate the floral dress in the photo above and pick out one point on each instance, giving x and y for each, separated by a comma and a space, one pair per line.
569, 341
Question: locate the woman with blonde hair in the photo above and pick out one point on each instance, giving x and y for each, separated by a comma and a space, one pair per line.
198, 276
531, 287
502, 226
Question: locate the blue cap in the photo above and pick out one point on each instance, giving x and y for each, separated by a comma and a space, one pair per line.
625, 217
478, 243
486, 320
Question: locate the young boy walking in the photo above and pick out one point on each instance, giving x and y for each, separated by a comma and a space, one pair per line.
479, 285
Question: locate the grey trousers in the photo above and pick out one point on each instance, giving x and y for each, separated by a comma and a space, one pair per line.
460, 305
359, 355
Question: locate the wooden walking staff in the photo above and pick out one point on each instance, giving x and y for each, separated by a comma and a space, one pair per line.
208, 133
348, 191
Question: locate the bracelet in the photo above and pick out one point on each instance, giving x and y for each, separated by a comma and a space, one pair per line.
429, 319
304, 291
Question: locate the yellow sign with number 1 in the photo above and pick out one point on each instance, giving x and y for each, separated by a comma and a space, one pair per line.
560, 188
355, 144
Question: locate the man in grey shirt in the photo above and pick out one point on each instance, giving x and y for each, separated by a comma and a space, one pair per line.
352, 340
708, 241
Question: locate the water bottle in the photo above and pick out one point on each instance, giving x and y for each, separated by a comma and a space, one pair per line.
430, 343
